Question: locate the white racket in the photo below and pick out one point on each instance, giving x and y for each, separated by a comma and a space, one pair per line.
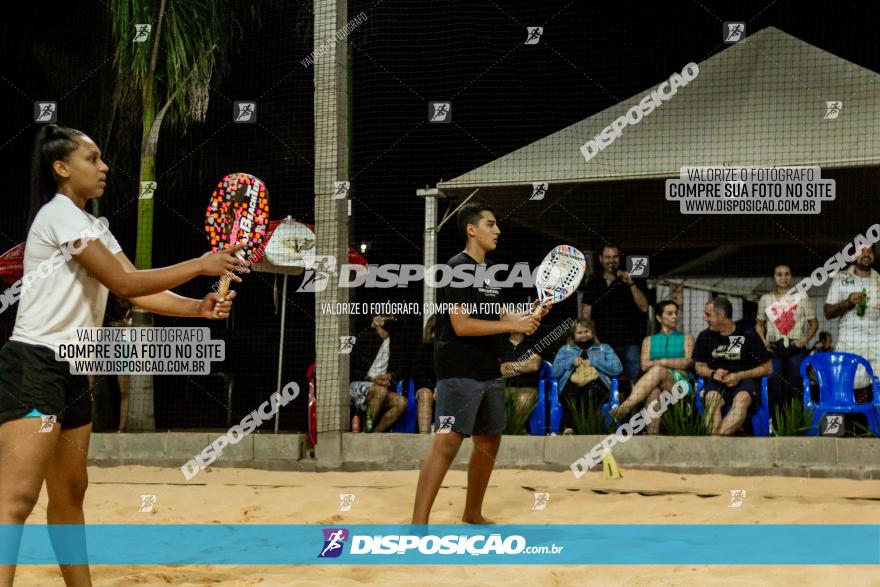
559, 274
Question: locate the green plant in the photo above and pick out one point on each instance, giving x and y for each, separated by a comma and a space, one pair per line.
861, 431
586, 416
515, 420
792, 419
682, 419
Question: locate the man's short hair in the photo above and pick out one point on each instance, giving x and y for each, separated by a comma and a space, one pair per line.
608, 245
870, 246
722, 305
470, 213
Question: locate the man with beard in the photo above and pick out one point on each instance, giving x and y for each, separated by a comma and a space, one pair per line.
618, 306
854, 297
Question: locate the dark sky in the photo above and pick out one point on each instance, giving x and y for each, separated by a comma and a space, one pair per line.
504, 94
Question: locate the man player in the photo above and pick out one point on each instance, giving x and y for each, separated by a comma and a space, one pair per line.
470, 391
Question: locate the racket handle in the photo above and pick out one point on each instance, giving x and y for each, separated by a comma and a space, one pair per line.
536, 307
224, 285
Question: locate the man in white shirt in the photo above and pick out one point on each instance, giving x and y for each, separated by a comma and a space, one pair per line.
859, 329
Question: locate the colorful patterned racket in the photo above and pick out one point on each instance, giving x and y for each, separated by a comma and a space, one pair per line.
238, 211
560, 274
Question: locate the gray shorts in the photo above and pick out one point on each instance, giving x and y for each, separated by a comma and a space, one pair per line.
470, 407
358, 391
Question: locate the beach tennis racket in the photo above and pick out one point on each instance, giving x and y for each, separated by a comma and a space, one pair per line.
238, 211
559, 274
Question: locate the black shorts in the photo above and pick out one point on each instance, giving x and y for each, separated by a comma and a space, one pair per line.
31, 379
470, 407
751, 385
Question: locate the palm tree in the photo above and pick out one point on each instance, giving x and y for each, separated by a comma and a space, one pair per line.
168, 70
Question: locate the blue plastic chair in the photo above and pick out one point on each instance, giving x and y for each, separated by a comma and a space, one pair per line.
613, 402
412, 409
548, 393
836, 374
538, 417
407, 421
760, 418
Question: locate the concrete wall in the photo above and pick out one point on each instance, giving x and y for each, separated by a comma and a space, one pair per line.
173, 449
856, 458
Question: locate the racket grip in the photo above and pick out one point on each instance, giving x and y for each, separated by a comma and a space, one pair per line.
224, 285
536, 308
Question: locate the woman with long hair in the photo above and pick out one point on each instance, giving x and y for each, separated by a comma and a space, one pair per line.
665, 358
786, 337
71, 260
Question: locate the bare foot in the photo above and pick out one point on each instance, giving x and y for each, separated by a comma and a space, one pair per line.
479, 519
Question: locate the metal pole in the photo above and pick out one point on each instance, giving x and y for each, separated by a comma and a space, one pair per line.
281, 346
429, 294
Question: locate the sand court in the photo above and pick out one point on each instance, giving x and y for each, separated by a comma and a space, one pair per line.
248, 496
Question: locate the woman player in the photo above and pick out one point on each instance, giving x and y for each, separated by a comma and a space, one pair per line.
45, 412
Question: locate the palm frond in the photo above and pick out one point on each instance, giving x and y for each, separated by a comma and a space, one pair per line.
194, 39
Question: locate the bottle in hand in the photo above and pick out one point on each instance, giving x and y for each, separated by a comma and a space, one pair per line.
863, 304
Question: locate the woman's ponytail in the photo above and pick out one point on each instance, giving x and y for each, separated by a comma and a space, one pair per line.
53, 143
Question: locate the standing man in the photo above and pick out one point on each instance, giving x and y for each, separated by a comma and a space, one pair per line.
732, 360
617, 304
854, 297
470, 391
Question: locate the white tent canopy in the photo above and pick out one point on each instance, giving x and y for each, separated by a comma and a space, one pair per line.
761, 101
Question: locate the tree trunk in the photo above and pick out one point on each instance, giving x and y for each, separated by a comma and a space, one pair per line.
141, 416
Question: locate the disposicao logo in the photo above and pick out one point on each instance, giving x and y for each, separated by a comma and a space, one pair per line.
334, 540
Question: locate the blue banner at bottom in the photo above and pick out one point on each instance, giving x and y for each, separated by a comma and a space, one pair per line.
264, 544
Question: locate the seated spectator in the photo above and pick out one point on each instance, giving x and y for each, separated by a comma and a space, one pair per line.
375, 370
583, 366
787, 336
422, 373
731, 360
666, 358
854, 297
519, 366
825, 343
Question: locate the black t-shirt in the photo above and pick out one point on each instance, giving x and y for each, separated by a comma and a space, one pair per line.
740, 351
512, 353
617, 317
470, 357
422, 368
